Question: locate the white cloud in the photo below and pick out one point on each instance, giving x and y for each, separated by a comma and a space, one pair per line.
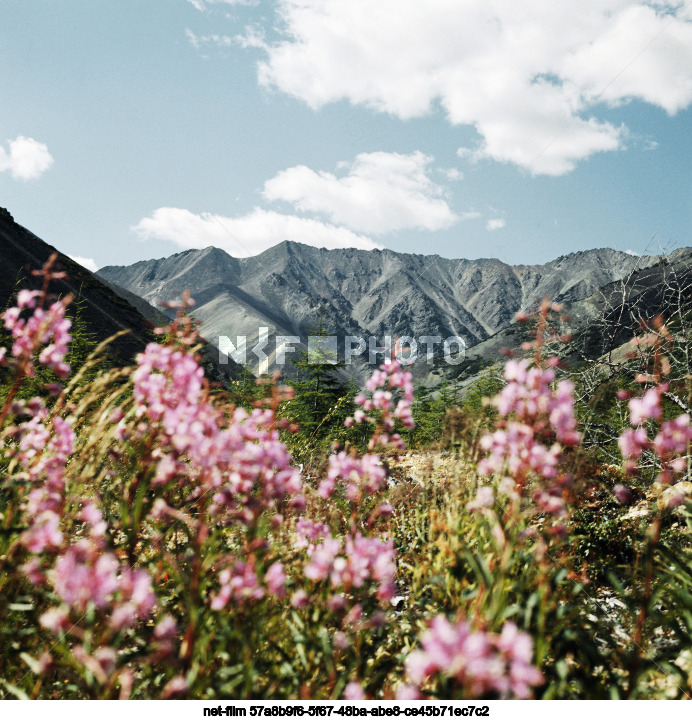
633, 252
452, 173
246, 235
27, 159
495, 224
529, 76
202, 4
197, 41
88, 263
379, 193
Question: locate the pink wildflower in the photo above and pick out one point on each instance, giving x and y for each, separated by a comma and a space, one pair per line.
406, 692
166, 628
238, 582
391, 390
646, 407
354, 692
321, 559
275, 578
137, 598
43, 327
516, 449
177, 686
622, 493
480, 662
551, 502
82, 575
308, 531
32, 570
299, 599
632, 442
673, 438
55, 619
361, 474
43, 533
484, 499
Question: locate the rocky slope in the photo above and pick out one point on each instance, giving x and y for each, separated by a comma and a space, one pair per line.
105, 308
289, 287
605, 321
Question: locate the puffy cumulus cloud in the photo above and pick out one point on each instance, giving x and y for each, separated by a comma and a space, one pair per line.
378, 193
528, 75
246, 235
495, 224
27, 159
88, 263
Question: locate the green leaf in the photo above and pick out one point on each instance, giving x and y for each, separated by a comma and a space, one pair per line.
20, 606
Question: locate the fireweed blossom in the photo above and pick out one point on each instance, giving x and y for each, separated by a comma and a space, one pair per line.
365, 474
240, 461
388, 400
670, 444
243, 462
83, 573
42, 446
478, 663
43, 327
307, 532
363, 559
235, 458
536, 413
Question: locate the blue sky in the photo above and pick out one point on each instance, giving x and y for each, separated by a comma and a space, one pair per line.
519, 129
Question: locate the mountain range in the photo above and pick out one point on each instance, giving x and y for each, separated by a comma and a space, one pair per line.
292, 288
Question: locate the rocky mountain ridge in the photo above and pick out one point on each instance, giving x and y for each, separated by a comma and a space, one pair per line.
291, 286
105, 308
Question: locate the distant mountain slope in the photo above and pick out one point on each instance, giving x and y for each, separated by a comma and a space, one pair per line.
608, 318
104, 309
288, 287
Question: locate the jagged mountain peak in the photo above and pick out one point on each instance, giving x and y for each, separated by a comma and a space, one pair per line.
381, 292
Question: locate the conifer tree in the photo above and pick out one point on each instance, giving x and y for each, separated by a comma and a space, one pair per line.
323, 399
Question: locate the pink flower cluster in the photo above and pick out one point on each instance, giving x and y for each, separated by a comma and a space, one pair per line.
239, 582
481, 663
307, 532
363, 559
244, 459
362, 474
43, 450
168, 387
484, 499
671, 442
528, 396
47, 328
647, 407
137, 599
391, 396
516, 449
252, 467
84, 574
537, 411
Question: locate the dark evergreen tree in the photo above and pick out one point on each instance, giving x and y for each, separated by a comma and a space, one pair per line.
323, 397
